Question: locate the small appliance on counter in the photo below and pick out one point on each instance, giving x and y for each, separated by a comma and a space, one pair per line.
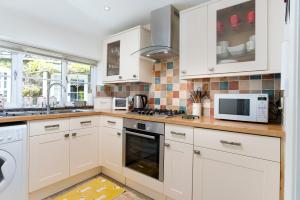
242, 107
139, 101
120, 103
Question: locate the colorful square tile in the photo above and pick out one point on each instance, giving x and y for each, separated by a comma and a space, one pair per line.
157, 73
157, 80
233, 85
268, 76
157, 101
163, 87
175, 102
277, 76
175, 94
244, 84
255, 77
169, 101
170, 94
157, 87
215, 85
169, 65
169, 87
268, 84
255, 85
176, 86
146, 88
163, 80
244, 78
169, 79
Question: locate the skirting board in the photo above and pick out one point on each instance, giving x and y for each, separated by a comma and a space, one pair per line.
64, 184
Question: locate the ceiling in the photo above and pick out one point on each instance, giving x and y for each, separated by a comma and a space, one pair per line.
89, 16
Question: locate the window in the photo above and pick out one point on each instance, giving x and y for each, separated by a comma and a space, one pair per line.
32, 75
38, 71
79, 80
5, 74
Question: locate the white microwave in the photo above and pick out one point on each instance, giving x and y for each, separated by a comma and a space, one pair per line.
120, 103
242, 107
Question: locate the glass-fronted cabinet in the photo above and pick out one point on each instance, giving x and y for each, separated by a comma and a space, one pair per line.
237, 36
113, 59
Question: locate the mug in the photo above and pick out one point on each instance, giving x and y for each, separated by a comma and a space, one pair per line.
251, 17
234, 21
220, 27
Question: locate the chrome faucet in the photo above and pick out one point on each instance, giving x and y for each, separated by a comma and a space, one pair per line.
48, 94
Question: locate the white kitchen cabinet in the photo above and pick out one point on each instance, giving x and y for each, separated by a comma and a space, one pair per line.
83, 150
49, 159
120, 63
227, 176
178, 169
222, 38
112, 148
193, 42
235, 42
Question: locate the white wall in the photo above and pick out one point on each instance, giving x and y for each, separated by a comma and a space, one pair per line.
34, 32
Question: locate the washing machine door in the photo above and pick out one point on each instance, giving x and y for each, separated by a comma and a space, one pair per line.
7, 169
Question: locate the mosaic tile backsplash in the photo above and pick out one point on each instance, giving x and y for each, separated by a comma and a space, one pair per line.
167, 91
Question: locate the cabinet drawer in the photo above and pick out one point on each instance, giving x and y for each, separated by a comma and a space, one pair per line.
48, 126
179, 133
112, 122
83, 122
250, 145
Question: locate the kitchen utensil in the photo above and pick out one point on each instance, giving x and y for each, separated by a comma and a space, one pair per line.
238, 50
140, 101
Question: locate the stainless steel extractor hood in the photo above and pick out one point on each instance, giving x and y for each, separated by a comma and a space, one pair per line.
164, 35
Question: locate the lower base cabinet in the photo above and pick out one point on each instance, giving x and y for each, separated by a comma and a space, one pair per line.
83, 150
220, 175
178, 170
49, 159
112, 149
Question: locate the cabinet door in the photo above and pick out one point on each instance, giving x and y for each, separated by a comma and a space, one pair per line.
111, 57
178, 170
237, 36
193, 42
48, 159
220, 175
130, 63
83, 150
112, 146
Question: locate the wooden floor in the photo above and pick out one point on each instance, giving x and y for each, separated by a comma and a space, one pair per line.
130, 194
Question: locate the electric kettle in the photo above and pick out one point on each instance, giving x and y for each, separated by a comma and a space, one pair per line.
139, 101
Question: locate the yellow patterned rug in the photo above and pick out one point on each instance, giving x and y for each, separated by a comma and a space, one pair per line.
96, 189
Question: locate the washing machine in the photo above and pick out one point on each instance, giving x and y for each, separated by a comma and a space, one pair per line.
13, 159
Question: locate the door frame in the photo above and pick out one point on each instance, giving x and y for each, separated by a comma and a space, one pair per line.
291, 82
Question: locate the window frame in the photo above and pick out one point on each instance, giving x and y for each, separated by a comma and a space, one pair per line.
17, 79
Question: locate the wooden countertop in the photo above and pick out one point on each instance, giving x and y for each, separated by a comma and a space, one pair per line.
273, 130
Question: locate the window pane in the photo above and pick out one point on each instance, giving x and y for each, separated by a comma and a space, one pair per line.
35, 93
37, 67
79, 78
5, 75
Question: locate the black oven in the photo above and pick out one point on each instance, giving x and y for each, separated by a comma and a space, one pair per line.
144, 147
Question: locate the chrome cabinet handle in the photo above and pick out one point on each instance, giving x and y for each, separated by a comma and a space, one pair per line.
230, 143
111, 122
52, 127
120, 77
211, 69
119, 134
74, 134
167, 145
183, 71
197, 152
177, 133
67, 135
85, 123
134, 76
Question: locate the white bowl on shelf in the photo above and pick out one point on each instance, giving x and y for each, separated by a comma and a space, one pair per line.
238, 50
222, 52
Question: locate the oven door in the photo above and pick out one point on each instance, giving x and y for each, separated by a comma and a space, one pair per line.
144, 152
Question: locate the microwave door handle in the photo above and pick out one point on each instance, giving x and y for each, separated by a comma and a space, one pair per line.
141, 135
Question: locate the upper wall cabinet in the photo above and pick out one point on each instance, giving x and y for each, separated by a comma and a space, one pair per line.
119, 63
231, 37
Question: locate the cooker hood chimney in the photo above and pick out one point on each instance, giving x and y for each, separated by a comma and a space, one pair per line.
164, 35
